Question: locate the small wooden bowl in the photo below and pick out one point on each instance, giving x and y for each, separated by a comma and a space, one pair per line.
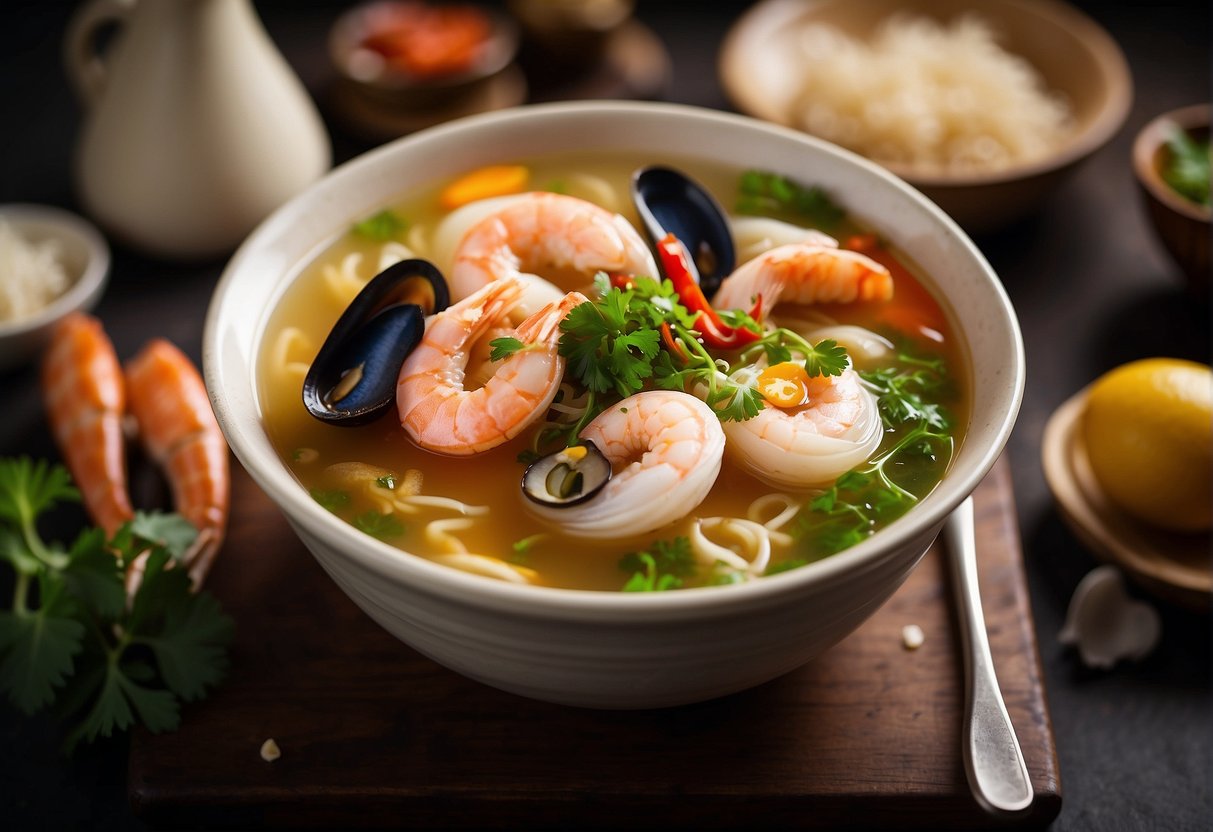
1171, 565
1073, 54
1183, 225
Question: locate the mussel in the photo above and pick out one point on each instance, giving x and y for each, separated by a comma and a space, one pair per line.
568, 477
669, 201
352, 381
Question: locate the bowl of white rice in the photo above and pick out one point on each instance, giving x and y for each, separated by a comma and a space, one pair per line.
52, 262
984, 106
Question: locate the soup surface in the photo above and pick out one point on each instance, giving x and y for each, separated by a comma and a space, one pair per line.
902, 373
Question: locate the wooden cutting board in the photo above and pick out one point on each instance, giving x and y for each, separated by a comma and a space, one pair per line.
374, 735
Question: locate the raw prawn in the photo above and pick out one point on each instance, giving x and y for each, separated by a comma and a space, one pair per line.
805, 273
666, 449
813, 444
87, 397
436, 409
542, 237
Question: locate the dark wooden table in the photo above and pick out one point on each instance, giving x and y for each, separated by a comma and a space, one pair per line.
1092, 287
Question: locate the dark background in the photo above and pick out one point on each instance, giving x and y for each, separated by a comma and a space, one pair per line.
1092, 286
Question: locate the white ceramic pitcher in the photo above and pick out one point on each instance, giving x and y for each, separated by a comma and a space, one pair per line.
196, 127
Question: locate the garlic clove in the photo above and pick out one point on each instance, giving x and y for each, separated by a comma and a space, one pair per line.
1105, 624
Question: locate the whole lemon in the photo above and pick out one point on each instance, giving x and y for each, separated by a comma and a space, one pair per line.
1148, 427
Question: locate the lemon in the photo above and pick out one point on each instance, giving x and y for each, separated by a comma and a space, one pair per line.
1148, 427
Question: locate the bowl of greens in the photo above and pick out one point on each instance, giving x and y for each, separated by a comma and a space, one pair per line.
1171, 163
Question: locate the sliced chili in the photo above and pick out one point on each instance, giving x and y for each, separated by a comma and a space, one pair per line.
716, 333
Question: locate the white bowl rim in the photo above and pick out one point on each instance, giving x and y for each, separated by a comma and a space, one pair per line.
623, 608
83, 287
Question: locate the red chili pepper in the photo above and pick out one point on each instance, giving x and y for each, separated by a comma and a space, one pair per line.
620, 281
673, 346
716, 333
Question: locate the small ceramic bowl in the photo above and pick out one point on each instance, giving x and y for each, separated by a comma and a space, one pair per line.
613, 649
1183, 226
368, 72
86, 259
1072, 53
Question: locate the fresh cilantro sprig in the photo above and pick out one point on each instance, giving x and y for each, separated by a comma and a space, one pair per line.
663, 566
74, 640
763, 193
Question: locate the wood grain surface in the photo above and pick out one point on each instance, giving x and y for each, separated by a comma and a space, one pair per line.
375, 735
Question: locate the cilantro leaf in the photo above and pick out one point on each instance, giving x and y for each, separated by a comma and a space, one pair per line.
172, 531
504, 348
38, 646
767, 193
381, 227
94, 576
28, 488
119, 697
186, 632
827, 358
662, 567
332, 499
379, 525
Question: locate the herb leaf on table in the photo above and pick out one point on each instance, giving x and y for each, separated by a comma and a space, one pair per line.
75, 641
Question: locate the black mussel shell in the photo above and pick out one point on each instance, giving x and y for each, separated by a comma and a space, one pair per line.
353, 379
671, 202
568, 477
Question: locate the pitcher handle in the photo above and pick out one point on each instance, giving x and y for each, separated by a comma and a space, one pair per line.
85, 66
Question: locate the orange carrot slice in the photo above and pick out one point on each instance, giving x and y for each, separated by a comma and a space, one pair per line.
494, 180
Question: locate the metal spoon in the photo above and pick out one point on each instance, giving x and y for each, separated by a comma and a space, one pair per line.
993, 761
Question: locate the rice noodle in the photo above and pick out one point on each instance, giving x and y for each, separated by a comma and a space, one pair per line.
292, 354
927, 93
489, 567
754, 540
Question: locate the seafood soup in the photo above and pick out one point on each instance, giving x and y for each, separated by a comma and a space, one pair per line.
585, 414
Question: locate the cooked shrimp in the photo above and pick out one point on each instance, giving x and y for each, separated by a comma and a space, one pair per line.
436, 409
177, 427
665, 448
85, 400
804, 273
548, 236
813, 444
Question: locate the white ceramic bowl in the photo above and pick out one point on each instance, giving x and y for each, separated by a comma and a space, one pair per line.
86, 259
602, 649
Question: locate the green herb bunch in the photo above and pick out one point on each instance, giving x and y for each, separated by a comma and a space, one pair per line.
73, 641
916, 451
642, 337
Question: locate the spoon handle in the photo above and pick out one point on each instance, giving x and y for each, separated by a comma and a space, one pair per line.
993, 761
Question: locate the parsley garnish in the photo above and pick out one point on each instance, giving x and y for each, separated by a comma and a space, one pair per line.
378, 525
663, 566
73, 639
766, 194
504, 348
381, 227
331, 499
